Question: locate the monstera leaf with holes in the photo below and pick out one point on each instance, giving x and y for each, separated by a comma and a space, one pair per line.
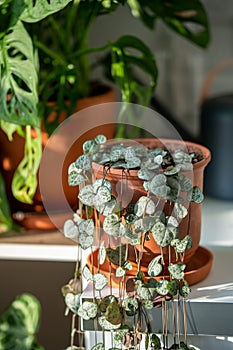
18, 60
19, 324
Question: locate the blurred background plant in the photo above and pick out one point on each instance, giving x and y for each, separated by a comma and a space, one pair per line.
45, 57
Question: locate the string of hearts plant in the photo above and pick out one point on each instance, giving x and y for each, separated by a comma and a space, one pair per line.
126, 291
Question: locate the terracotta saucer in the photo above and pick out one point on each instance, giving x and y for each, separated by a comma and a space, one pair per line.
197, 268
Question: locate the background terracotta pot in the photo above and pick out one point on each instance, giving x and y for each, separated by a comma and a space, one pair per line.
12, 153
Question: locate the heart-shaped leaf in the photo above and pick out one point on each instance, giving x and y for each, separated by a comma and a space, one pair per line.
102, 183
75, 175
83, 162
197, 195
73, 302
88, 310
120, 272
85, 241
87, 195
87, 273
87, 227
71, 230
177, 270
89, 147
111, 225
145, 174
100, 139
100, 281
117, 256
180, 211
162, 287
102, 196
113, 313
144, 206
130, 305
154, 267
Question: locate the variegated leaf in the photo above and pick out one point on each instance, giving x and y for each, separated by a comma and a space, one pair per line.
100, 281
88, 310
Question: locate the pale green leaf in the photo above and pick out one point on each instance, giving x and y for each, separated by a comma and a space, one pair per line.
100, 281
39, 9
177, 270
112, 225
87, 273
144, 206
87, 195
73, 302
70, 229
88, 310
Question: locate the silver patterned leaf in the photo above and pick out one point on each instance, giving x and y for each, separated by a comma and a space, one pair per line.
130, 304
100, 139
144, 205
75, 176
128, 265
145, 174
185, 183
162, 287
101, 253
90, 146
85, 241
100, 183
177, 270
87, 273
111, 225
120, 272
107, 325
72, 301
197, 195
154, 267
180, 211
163, 235
83, 162
133, 163
100, 281
87, 227
102, 196
88, 310
87, 195
71, 230
106, 208
172, 221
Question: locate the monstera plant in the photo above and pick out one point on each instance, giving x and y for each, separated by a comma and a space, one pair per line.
19, 324
133, 200
45, 54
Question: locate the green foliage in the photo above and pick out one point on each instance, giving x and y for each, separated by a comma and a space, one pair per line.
19, 324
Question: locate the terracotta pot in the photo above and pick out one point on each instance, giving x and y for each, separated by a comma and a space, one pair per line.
190, 224
12, 153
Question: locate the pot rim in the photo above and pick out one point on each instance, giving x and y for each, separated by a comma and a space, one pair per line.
199, 148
